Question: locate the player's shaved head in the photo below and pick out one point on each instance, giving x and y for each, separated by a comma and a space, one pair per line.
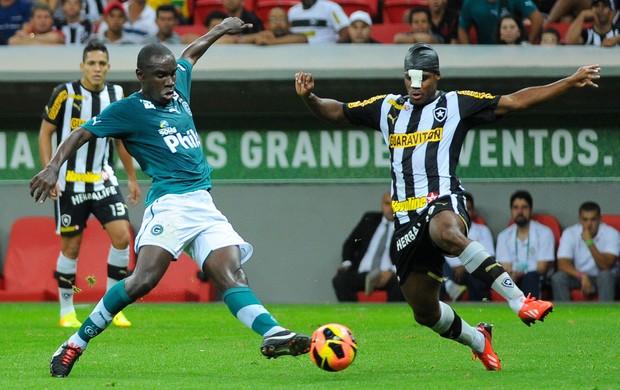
154, 53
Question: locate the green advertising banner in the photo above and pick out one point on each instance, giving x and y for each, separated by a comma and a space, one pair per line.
361, 156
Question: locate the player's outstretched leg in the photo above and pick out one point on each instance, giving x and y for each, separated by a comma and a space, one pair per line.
482, 265
277, 341
100, 318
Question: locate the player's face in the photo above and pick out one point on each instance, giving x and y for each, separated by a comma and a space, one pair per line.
158, 80
521, 212
426, 93
590, 220
95, 68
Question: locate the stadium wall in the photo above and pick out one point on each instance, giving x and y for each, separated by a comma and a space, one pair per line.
298, 226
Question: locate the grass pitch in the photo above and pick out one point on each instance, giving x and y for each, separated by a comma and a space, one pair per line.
201, 346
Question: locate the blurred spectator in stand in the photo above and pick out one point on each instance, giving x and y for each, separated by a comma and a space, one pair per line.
602, 32
236, 8
115, 17
509, 32
587, 257
320, 21
40, 30
420, 24
444, 20
457, 279
360, 29
167, 18
565, 11
181, 6
214, 18
140, 21
484, 16
367, 259
76, 29
13, 15
550, 37
278, 31
526, 248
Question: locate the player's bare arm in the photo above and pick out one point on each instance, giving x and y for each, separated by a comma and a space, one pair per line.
45, 181
196, 49
132, 180
527, 97
46, 133
327, 109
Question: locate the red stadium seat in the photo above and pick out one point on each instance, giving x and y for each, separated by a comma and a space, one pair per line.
190, 29
612, 220
393, 10
385, 32
350, 6
31, 261
479, 220
375, 296
577, 296
262, 7
202, 8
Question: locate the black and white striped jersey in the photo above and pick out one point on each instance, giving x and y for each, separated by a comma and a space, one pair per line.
75, 33
70, 106
424, 142
591, 37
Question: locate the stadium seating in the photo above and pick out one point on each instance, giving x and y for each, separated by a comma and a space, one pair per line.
393, 10
350, 6
190, 29
385, 32
31, 261
375, 296
202, 8
262, 7
612, 220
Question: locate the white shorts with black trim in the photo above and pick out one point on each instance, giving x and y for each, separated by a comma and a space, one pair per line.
191, 223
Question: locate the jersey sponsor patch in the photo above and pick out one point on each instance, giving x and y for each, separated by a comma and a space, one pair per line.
417, 138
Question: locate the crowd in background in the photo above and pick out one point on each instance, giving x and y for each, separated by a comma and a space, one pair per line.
514, 22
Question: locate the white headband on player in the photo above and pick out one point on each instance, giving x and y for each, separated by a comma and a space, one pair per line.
416, 77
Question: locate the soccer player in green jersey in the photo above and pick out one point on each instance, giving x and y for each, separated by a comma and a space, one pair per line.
157, 128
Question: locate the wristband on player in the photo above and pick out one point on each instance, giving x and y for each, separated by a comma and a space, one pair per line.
589, 243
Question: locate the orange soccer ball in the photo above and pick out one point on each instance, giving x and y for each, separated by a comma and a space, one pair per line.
333, 347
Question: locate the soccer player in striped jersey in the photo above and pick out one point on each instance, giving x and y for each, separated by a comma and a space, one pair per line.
87, 184
157, 127
424, 131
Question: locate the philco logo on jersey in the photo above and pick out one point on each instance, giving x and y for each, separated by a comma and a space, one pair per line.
477, 95
77, 122
188, 141
417, 138
365, 102
147, 105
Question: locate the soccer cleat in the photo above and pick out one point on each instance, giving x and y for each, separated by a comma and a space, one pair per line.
121, 321
70, 320
534, 310
285, 343
63, 360
487, 357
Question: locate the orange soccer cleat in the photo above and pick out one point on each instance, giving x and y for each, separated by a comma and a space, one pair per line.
487, 357
534, 310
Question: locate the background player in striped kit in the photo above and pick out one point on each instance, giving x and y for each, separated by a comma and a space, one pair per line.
87, 184
157, 127
424, 130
